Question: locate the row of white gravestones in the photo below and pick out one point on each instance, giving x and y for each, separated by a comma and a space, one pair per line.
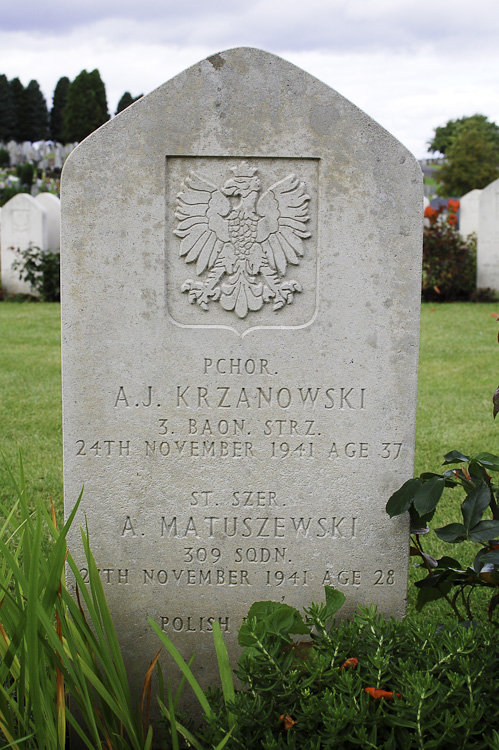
45, 154
241, 285
27, 222
479, 214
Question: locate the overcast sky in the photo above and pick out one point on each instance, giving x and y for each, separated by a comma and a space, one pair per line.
410, 65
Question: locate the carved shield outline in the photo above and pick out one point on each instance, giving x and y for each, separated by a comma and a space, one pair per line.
177, 270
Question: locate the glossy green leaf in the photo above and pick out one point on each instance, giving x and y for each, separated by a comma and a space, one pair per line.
474, 506
449, 562
428, 495
334, 601
455, 457
488, 460
484, 530
426, 595
453, 532
401, 500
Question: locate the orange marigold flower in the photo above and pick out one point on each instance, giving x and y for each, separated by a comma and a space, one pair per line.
377, 694
453, 205
351, 662
452, 219
430, 213
288, 721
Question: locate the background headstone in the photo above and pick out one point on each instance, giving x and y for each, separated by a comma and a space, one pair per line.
24, 224
488, 238
241, 260
52, 205
469, 212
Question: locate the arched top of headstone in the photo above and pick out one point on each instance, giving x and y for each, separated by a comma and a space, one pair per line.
248, 100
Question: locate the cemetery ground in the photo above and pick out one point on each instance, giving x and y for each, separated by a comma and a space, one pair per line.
457, 376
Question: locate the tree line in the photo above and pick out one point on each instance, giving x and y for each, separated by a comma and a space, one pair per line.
78, 108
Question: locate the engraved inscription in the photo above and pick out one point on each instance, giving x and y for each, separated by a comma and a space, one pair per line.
240, 240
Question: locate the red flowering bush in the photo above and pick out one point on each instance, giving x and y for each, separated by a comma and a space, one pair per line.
449, 261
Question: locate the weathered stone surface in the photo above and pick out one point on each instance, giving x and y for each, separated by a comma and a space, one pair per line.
240, 409
24, 224
488, 237
469, 212
52, 206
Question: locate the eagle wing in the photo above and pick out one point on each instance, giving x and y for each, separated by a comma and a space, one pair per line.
202, 226
283, 209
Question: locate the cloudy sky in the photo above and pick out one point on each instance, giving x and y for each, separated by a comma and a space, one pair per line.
410, 65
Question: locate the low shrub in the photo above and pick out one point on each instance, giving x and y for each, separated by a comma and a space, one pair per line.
449, 261
41, 269
26, 173
366, 683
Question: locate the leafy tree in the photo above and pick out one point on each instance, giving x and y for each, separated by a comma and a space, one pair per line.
445, 134
86, 106
126, 100
57, 112
8, 117
472, 157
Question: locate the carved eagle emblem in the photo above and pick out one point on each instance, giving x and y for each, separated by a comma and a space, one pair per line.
242, 240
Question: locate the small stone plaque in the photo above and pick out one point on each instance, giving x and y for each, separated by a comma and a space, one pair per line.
241, 260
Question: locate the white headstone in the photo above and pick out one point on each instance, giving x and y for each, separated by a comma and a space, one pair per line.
469, 212
24, 224
488, 238
52, 206
241, 285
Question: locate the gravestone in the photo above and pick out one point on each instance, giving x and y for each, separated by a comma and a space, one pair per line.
52, 206
469, 212
24, 224
488, 238
241, 260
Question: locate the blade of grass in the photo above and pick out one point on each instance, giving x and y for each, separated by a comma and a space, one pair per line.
173, 723
225, 671
146, 692
198, 692
183, 731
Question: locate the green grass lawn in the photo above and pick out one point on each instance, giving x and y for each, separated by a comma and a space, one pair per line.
30, 396
458, 374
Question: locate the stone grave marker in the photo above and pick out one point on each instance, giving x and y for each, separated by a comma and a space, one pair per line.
52, 205
469, 212
241, 259
488, 237
24, 223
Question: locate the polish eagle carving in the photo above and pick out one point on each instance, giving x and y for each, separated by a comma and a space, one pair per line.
241, 240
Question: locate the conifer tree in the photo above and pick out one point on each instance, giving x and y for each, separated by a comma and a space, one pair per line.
57, 112
8, 118
86, 106
35, 125
17, 91
126, 100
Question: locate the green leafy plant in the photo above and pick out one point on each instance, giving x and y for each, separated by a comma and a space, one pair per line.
41, 269
52, 645
446, 577
366, 682
26, 172
449, 262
